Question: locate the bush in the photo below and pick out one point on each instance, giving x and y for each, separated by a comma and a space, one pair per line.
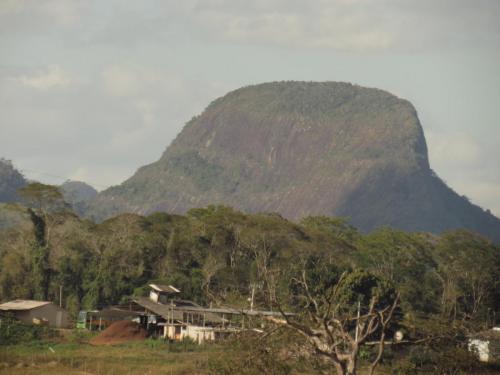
14, 332
437, 361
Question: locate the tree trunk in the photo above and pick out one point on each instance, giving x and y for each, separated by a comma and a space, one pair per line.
340, 369
346, 368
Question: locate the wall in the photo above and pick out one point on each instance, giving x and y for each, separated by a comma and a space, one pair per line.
54, 315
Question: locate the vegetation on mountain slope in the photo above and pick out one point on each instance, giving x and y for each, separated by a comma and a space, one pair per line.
302, 149
78, 194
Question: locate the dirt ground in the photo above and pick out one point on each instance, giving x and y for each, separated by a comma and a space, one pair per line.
119, 333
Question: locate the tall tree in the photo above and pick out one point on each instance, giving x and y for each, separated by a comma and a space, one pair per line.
41, 201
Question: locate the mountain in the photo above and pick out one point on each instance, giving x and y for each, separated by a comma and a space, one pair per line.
300, 149
10, 181
78, 194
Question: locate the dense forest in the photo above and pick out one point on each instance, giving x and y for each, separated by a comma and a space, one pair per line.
217, 255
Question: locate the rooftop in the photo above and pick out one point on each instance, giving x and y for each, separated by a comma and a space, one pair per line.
22, 304
164, 288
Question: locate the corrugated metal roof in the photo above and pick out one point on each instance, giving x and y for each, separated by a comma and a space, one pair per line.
166, 311
164, 288
22, 304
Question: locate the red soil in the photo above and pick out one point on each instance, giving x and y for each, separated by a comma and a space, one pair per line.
120, 332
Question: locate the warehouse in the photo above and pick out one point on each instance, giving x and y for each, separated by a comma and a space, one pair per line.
36, 312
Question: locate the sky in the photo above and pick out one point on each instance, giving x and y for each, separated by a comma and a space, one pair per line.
91, 90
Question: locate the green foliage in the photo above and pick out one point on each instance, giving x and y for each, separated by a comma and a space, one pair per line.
437, 361
13, 332
406, 260
221, 256
248, 354
42, 197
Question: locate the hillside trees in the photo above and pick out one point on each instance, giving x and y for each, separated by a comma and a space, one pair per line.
221, 256
468, 270
406, 260
41, 202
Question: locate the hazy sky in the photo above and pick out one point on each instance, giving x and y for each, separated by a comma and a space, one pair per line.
93, 89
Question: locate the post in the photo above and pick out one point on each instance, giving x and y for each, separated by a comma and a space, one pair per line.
60, 295
357, 322
253, 295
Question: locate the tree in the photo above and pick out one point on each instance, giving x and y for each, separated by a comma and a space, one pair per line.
41, 200
341, 313
405, 260
469, 272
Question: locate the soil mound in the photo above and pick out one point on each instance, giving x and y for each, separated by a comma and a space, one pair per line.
120, 332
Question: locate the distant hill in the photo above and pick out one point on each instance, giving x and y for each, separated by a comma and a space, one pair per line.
78, 194
10, 181
299, 149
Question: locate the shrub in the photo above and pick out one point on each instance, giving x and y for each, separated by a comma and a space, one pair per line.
14, 332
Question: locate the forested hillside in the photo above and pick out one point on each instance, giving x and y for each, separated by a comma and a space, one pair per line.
302, 149
78, 194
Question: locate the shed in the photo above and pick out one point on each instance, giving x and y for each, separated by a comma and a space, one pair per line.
37, 312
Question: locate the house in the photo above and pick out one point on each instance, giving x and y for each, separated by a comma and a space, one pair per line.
486, 344
36, 312
165, 315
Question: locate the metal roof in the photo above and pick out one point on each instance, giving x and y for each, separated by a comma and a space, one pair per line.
164, 288
212, 314
232, 311
177, 310
22, 304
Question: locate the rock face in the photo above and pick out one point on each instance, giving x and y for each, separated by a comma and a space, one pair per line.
10, 181
300, 149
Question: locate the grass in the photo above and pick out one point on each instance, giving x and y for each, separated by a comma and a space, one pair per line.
71, 354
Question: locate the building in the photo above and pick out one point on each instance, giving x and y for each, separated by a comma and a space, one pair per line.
167, 316
486, 344
36, 312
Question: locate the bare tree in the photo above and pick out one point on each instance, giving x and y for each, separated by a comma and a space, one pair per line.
336, 326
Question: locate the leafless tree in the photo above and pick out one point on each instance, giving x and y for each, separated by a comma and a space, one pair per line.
337, 332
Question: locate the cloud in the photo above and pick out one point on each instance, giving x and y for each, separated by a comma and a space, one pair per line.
340, 25
458, 149
470, 165
119, 81
348, 25
52, 76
